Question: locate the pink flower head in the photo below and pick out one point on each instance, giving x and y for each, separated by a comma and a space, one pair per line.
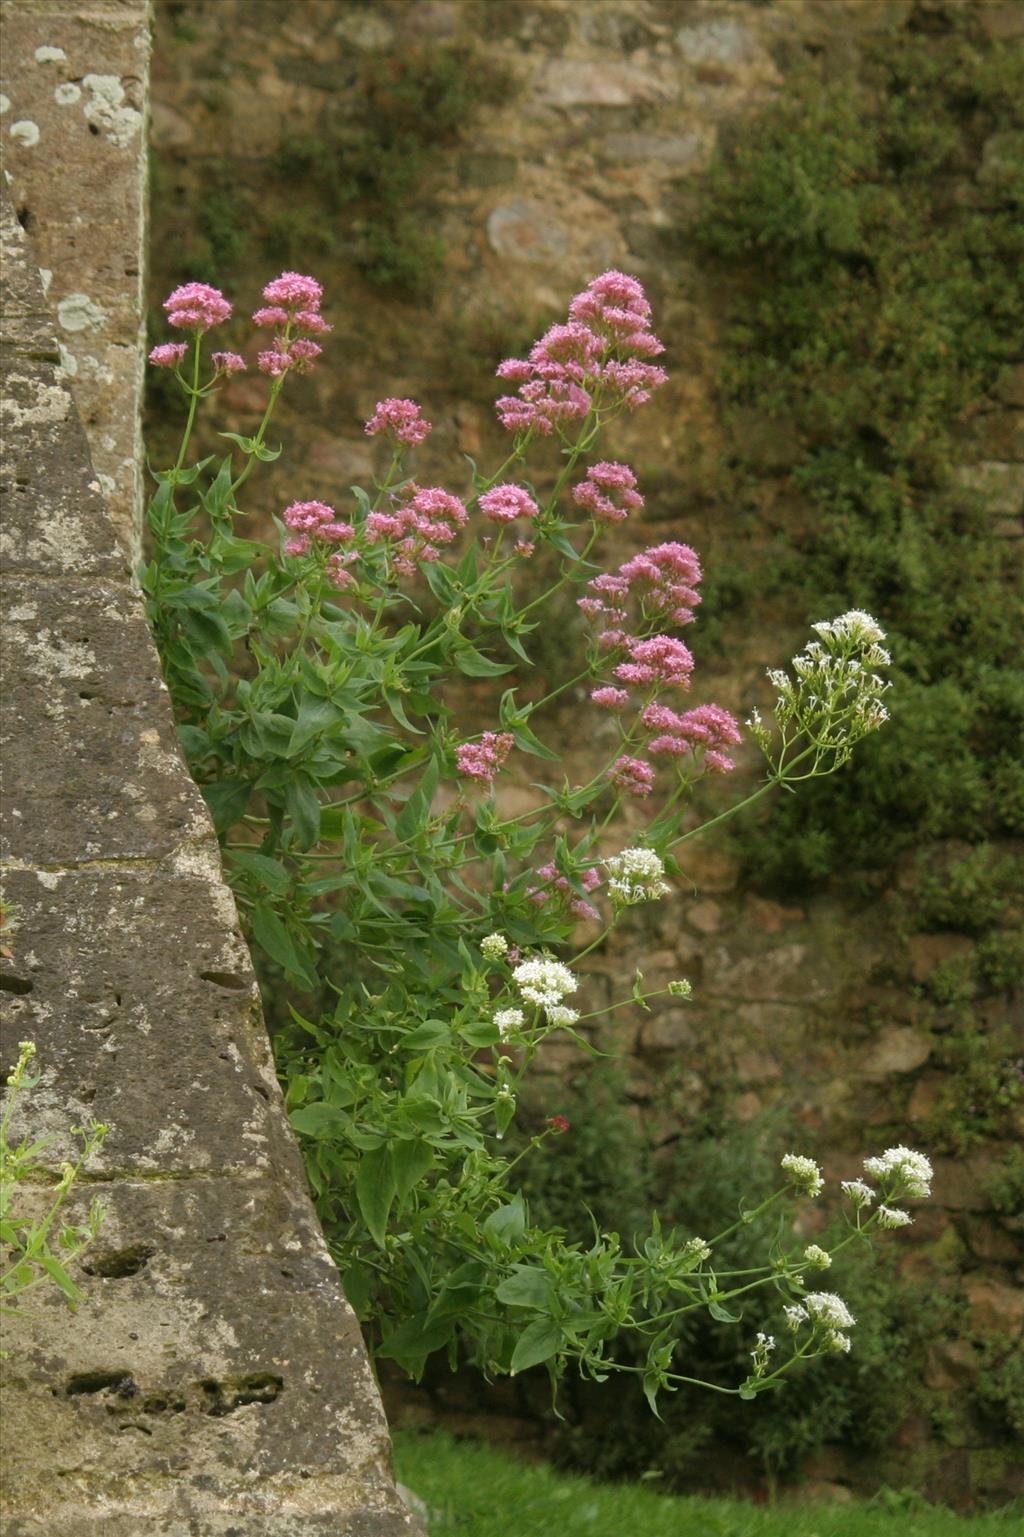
482, 760
401, 419
196, 307
661, 659
609, 492
337, 569
524, 548
275, 362
293, 291
560, 887
308, 517
598, 351
274, 315
309, 320
706, 726
633, 775
168, 354
303, 354
298, 546
611, 698
228, 363
666, 578
558, 1123
424, 517
505, 503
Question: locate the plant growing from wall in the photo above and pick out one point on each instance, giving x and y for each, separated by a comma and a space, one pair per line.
37, 1247
375, 866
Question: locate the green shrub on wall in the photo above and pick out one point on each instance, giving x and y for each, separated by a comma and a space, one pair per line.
869, 230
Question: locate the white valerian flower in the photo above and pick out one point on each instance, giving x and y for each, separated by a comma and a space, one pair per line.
508, 1020
818, 1259
680, 988
761, 1352
544, 982
559, 1015
795, 1316
636, 875
836, 1340
826, 1308
804, 1173
697, 1250
859, 1193
493, 947
907, 1172
893, 1217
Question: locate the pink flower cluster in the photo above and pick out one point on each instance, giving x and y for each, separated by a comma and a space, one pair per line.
196, 307
428, 517
658, 659
598, 355
505, 503
168, 354
707, 726
292, 306
558, 886
482, 760
314, 523
609, 492
402, 420
228, 362
634, 776
661, 581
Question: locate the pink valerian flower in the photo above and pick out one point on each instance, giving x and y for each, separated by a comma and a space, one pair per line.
293, 291
284, 356
665, 578
558, 886
524, 548
558, 1124
634, 775
427, 517
609, 492
505, 503
314, 522
168, 354
272, 316
610, 698
599, 351
660, 659
196, 307
228, 362
402, 420
337, 569
482, 760
707, 726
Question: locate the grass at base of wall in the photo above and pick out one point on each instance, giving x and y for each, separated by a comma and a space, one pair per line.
471, 1490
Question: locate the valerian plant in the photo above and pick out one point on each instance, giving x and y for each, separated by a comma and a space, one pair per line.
429, 934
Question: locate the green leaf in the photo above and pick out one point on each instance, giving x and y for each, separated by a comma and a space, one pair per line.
318, 1120
375, 1190
433, 1033
417, 807
526, 1287
509, 1221
722, 1314
227, 800
270, 934
538, 1342
302, 806
412, 1159
475, 665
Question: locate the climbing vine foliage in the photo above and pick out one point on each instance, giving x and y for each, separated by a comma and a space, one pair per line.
430, 937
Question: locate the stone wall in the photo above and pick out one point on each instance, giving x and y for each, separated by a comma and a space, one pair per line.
214, 1380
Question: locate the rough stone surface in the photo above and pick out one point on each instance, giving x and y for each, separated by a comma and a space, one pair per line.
76, 70
214, 1381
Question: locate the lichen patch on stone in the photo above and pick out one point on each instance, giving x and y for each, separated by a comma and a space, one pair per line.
25, 133
77, 312
106, 109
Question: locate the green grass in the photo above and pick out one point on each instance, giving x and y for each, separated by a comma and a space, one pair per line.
472, 1490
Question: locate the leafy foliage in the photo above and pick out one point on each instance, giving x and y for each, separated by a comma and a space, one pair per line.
871, 233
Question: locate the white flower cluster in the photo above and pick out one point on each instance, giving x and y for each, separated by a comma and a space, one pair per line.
761, 1352
826, 1311
697, 1250
508, 1021
893, 1217
835, 696
817, 1258
804, 1173
859, 1193
904, 1171
636, 875
493, 947
545, 983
